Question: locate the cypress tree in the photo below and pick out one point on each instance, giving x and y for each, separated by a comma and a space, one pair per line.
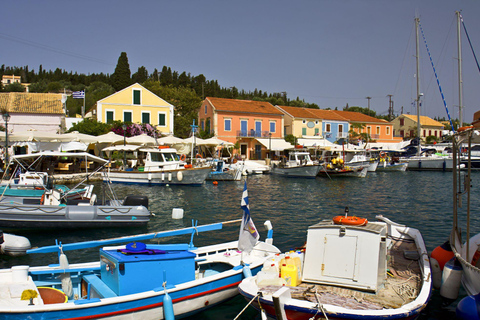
121, 76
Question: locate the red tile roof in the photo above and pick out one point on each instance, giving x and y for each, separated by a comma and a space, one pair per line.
297, 112
358, 117
246, 106
328, 115
23, 102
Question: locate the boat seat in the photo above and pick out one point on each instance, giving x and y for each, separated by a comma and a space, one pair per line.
99, 286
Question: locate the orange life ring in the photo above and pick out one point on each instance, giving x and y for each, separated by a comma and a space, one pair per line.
383, 154
42, 199
350, 221
464, 128
198, 156
183, 157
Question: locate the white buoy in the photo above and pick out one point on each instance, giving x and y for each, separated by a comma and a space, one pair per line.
169, 176
179, 175
177, 213
451, 281
14, 245
436, 273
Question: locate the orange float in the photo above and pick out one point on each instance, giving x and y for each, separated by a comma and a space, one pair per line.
215, 183
183, 157
350, 221
464, 128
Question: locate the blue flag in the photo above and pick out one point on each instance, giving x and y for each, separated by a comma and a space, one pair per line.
248, 236
78, 94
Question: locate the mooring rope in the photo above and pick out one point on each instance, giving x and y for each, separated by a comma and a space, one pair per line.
253, 299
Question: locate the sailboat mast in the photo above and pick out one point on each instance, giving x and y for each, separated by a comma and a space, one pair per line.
460, 80
417, 55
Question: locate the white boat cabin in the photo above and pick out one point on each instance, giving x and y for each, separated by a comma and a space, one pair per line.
297, 159
161, 158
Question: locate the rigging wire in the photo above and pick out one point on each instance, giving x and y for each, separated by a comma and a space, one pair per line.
468, 38
436, 76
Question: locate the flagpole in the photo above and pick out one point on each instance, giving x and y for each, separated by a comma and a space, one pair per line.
83, 107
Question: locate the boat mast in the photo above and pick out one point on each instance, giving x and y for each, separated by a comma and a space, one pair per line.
417, 55
460, 80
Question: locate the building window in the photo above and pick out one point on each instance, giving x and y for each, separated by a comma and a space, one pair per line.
402, 133
316, 122
378, 130
205, 109
429, 132
228, 124
273, 127
304, 131
369, 130
202, 125
328, 127
109, 116
207, 125
146, 117
304, 121
402, 121
340, 128
127, 116
136, 97
388, 131
317, 131
424, 132
258, 128
162, 119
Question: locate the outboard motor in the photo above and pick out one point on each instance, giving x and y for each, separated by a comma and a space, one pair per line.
134, 200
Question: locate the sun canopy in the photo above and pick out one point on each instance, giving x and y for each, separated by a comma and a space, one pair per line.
84, 155
169, 140
215, 142
142, 139
275, 144
198, 141
110, 137
121, 147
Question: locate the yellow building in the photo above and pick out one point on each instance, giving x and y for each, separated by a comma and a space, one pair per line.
405, 126
136, 104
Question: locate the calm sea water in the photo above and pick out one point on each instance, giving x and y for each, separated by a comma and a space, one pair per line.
422, 200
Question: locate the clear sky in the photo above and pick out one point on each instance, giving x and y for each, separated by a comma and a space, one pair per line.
326, 52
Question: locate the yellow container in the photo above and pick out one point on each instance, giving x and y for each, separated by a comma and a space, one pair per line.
289, 272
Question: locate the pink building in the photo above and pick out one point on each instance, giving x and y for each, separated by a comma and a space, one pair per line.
242, 121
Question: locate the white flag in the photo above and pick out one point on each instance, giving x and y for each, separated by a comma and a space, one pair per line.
248, 233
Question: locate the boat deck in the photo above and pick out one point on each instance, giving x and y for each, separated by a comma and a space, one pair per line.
402, 285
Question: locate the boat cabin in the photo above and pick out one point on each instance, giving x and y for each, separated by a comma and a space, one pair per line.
297, 158
161, 158
349, 256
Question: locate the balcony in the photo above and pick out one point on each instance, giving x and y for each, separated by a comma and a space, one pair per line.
252, 134
341, 135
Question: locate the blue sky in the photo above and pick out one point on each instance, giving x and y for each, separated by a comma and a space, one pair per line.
327, 52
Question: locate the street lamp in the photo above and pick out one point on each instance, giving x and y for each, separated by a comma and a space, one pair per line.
124, 127
6, 118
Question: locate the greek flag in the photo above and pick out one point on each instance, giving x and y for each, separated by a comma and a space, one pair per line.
78, 94
248, 233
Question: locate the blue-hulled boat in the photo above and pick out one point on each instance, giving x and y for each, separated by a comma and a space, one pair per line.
133, 279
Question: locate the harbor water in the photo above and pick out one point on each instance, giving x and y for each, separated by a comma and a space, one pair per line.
422, 200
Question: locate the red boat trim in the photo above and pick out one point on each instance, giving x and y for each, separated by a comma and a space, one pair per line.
151, 306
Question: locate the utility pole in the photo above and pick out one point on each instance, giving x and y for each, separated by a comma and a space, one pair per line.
390, 107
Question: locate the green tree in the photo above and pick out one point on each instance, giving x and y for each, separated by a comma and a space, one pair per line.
140, 76
14, 87
185, 101
121, 76
92, 127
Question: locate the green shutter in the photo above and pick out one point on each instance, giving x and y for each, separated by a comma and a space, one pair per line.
304, 131
127, 117
146, 118
136, 96
109, 116
161, 119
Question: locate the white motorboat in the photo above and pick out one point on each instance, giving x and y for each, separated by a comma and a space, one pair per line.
160, 166
298, 165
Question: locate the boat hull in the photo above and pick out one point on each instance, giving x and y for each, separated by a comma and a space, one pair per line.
308, 171
191, 176
17, 216
442, 164
385, 167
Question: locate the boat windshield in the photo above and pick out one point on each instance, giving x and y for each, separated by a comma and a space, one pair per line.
171, 157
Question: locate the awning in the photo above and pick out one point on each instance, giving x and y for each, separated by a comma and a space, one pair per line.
275, 144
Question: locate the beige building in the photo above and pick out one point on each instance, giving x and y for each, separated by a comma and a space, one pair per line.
405, 126
136, 104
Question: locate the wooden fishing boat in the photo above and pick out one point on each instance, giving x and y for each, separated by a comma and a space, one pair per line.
138, 280
378, 270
